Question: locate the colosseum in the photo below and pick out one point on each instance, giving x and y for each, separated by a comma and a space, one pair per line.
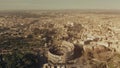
62, 56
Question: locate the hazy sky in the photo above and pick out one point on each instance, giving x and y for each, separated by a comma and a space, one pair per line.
59, 4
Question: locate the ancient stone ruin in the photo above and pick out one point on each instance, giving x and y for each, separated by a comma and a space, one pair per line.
62, 56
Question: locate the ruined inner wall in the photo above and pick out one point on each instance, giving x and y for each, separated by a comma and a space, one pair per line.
67, 51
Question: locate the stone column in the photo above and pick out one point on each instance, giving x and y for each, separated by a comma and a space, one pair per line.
51, 66
58, 66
